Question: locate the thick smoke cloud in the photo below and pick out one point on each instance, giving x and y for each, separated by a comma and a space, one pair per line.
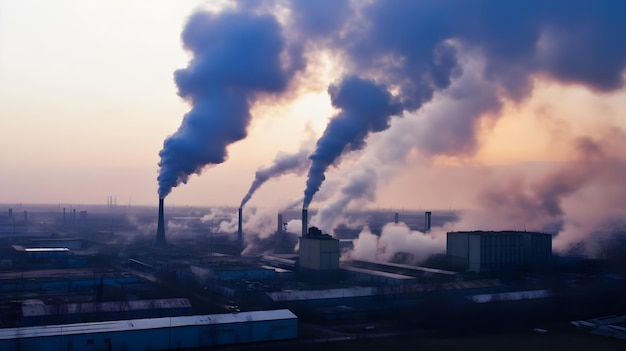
316, 20
446, 126
237, 56
412, 47
415, 47
284, 163
411, 55
365, 108
570, 41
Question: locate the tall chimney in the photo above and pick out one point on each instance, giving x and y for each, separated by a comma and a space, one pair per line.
427, 221
10, 213
305, 221
397, 218
280, 227
160, 234
240, 226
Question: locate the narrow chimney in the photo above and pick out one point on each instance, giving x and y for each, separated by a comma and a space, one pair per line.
305, 221
280, 227
427, 221
160, 234
240, 226
10, 213
397, 218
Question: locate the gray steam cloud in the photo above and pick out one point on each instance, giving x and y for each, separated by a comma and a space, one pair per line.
236, 57
539, 204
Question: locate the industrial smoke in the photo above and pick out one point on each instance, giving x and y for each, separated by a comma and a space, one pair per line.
517, 40
446, 66
365, 107
284, 163
236, 57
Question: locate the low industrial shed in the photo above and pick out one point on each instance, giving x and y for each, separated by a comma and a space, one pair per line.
155, 333
40, 314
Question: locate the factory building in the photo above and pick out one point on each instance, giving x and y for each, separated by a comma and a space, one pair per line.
489, 251
169, 333
40, 254
372, 277
318, 252
37, 313
421, 274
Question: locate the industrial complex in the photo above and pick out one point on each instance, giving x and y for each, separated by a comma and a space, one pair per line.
102, 281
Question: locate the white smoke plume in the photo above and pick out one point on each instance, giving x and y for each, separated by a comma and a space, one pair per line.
396, 239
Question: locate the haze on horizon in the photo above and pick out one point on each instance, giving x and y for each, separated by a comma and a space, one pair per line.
87, 97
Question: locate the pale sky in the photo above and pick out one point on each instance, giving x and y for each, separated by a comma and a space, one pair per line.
87, 97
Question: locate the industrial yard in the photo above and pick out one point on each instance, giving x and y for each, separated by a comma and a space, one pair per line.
101, 278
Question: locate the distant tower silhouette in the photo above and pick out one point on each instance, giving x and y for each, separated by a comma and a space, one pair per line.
160, 234
397, 219
240, 226
305, 221
281, 227
427, 222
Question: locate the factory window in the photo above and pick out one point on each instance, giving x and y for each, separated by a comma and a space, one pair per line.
89, 341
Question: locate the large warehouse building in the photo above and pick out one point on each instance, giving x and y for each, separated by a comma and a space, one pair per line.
488, 251
166, 333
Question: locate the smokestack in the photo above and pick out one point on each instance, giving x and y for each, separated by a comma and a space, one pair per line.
160, 234
397, 218
305, 221
240, 226
63, 215
10, 213
280, 223
427, 221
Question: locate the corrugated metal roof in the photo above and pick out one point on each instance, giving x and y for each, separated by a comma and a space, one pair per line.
611, 326
511, 296
47, 249
379, 273
295, 295
413, 268
278, 259
278, 270
33, 310
142, 324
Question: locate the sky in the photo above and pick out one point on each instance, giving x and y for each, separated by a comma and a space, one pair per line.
89, 94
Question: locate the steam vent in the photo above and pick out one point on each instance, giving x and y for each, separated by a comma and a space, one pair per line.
160, 234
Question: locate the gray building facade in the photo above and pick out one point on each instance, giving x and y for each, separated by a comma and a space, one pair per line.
493, 251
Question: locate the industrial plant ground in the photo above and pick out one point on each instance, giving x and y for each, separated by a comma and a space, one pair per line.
104, 268
559, 337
